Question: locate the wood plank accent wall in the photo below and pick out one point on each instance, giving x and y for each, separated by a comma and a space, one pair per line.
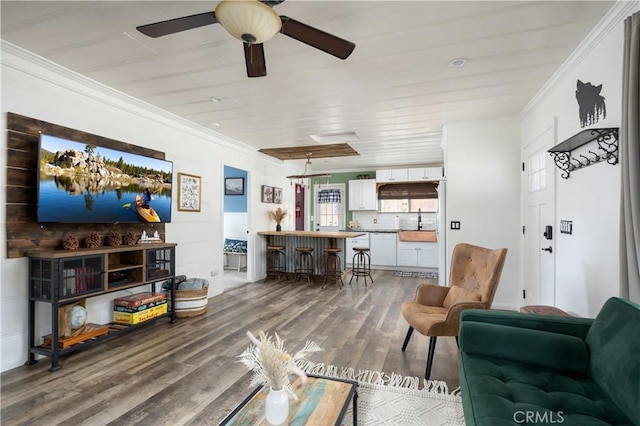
23, 230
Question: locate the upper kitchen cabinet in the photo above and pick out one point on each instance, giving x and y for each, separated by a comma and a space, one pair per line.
425, 173
392, 175
362, 194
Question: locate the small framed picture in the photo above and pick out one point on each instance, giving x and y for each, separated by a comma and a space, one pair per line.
189, 190
234, 186
267, 194
277, 195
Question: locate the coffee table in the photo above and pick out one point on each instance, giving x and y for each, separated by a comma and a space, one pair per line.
321, 401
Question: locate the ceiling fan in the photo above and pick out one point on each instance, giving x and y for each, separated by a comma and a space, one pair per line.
253, 22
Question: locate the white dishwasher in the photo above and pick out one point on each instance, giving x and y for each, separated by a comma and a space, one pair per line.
383, 248
361, 241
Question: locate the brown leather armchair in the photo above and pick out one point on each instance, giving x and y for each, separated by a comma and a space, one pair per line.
473, 279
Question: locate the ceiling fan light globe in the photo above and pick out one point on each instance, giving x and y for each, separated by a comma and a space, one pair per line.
248, 19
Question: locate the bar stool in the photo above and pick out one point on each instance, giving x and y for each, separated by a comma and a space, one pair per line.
361, 265
276, 261
332, 266
304, 263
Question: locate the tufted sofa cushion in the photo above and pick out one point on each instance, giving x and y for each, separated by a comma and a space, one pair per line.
563, 370
503, 392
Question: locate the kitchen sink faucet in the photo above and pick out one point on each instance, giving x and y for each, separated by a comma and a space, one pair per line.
419, 219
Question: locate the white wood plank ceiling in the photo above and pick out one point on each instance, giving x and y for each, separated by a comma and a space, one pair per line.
396, 91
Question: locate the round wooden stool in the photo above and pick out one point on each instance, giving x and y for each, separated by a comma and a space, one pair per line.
304, 263
332, 266
361, 264
276, 262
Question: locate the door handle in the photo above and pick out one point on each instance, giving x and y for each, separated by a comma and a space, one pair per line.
549, 249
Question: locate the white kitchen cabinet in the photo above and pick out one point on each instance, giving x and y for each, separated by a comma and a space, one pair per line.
417, 254
425, 173
392, 175
361, 241
362, 194
383, 248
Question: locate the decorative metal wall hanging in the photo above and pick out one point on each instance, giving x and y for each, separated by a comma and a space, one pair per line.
607, 149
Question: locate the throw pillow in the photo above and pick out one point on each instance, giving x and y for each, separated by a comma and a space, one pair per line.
458, 294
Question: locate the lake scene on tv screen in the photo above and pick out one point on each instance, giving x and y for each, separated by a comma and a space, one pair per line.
85, 183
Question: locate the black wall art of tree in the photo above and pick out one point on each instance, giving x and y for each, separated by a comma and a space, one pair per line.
590, 103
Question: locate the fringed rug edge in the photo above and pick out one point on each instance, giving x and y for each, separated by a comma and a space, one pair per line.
379, 380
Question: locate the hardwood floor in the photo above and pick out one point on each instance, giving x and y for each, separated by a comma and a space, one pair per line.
187, 372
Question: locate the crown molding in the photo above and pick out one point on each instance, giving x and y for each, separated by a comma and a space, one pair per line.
618, 12
43, 69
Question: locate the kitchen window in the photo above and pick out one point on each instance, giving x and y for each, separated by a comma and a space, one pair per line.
408, 197
425, 205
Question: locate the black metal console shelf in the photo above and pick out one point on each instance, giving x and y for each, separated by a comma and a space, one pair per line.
607, 149
63, 277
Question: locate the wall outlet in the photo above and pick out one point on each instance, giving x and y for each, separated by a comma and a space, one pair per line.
214, 272
375, 221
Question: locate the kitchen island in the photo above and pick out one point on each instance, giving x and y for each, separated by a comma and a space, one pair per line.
318, 240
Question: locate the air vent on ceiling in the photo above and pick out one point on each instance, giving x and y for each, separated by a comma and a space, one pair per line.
330, 138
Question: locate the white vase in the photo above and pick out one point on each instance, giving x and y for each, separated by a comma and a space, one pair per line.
276, 407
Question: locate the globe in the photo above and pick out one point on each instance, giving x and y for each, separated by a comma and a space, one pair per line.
78, 316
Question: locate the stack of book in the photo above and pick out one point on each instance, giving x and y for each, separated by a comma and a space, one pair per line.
139, 307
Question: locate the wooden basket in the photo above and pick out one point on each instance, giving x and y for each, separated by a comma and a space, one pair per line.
191, 303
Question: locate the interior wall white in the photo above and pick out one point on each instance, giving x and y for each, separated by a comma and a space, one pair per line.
38, 89
482, 164
587, 262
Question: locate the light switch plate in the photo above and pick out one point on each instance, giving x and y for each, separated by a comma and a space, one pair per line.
455, 224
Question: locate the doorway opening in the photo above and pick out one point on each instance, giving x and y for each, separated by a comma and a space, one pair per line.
235, 249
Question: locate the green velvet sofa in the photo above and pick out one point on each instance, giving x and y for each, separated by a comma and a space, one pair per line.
541, 369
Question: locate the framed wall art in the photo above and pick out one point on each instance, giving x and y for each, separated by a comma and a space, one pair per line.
267, 194
277, 195
234, 186
189, 192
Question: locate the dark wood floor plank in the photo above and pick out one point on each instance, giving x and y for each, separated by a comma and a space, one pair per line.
188, 372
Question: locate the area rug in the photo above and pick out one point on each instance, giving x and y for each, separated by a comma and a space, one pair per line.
430, 275
396, 400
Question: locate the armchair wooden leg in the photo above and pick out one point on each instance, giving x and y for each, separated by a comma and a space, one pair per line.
406, 339
432, 349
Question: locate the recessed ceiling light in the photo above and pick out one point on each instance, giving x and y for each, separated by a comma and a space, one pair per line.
458, 62
215, 124
330, 138
216, 99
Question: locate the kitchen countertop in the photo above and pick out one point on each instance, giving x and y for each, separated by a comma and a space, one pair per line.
390, 231
313, 234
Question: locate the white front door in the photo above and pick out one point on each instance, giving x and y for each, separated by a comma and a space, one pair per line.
539, 213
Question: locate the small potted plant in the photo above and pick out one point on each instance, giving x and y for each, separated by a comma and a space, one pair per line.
271, 365
278, 215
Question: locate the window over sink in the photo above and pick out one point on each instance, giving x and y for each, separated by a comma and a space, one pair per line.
428, 205
408, 197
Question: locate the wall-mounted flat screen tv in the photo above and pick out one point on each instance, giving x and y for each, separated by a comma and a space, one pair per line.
85, 183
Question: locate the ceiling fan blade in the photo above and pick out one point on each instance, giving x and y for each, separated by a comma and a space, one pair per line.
176, 25
254, 58
316, 38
